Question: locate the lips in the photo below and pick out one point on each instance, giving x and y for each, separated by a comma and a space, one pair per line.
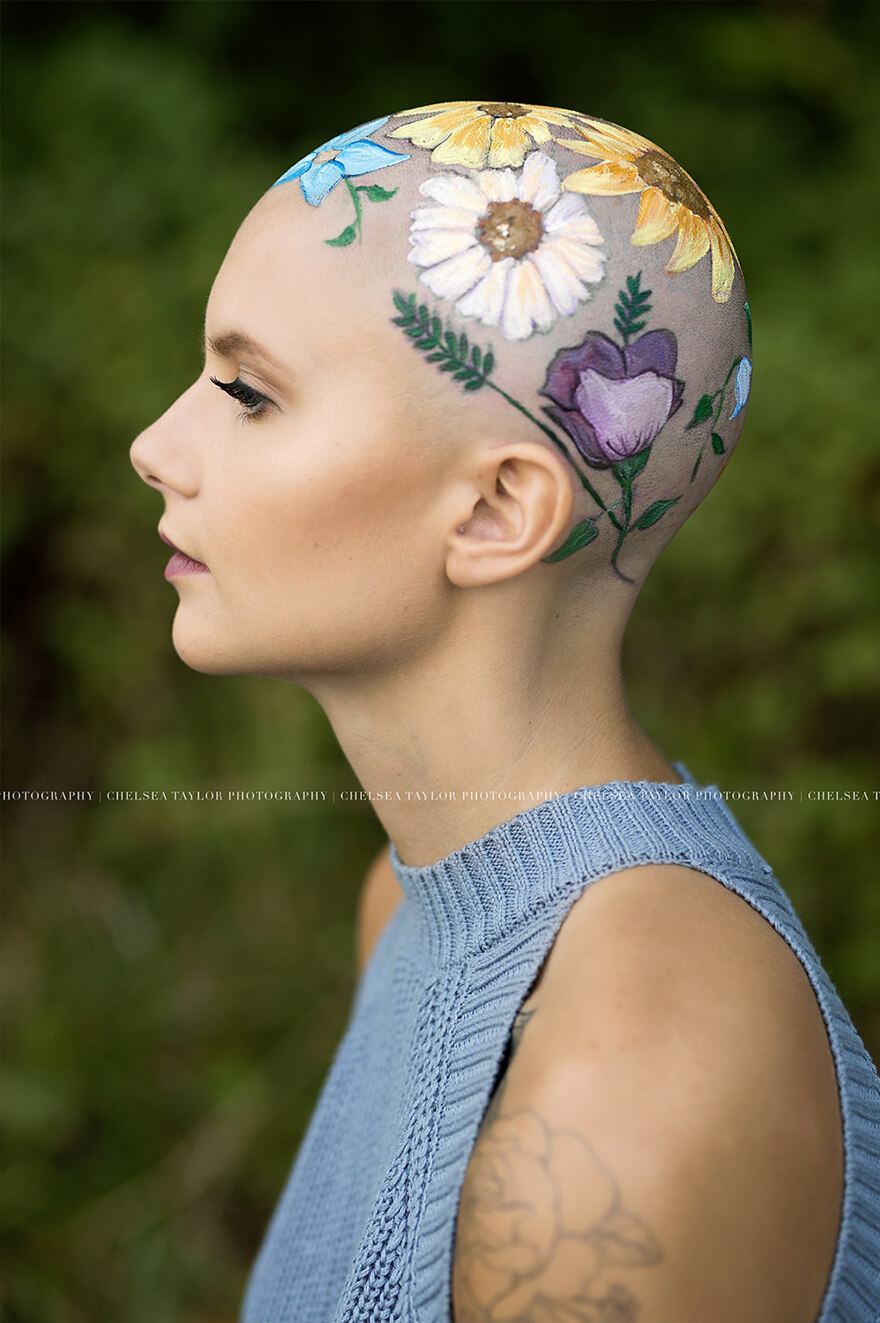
181, 563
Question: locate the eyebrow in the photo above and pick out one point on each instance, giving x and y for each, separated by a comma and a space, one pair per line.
236, 342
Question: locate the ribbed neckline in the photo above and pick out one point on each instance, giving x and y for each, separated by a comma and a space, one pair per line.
479, 891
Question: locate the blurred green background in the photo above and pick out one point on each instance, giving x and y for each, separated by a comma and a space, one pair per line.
176, 976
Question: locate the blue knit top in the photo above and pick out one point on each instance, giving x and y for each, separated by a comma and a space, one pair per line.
364, 1229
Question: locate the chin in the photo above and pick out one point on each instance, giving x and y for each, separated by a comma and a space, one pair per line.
204, 652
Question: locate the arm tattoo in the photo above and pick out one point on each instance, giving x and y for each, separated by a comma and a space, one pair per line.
528, 1253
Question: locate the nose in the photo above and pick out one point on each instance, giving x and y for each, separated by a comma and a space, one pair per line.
164, 455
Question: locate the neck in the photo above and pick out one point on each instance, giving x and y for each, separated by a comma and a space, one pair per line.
488, 724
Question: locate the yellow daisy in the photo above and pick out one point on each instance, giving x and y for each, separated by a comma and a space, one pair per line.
671, 201
481, 133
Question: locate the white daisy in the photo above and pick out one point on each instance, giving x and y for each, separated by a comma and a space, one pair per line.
509, 249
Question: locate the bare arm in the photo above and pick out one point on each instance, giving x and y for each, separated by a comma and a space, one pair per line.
665, 1149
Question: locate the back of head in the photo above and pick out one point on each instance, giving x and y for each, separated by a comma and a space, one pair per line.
571, 272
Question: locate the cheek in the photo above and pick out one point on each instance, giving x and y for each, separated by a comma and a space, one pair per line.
327, 532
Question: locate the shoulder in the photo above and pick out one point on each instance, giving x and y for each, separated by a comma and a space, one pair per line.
669, 1139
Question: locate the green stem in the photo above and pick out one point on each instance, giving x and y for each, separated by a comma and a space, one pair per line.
556, 441
616, 552
624, 529
357, 206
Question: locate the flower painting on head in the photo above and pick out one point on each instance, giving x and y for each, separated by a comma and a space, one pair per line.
345, 157
481, 133
509, 249
611, 399
742, 386
671, 203
710, 406
508, 241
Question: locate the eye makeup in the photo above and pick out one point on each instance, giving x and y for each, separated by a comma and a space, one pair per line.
254, 404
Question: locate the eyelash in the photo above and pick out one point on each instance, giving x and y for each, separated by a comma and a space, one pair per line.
255, 405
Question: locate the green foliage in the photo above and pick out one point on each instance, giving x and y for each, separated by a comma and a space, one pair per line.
452, 353
627, 470
348, 235
580, 536
376, 193
655, 511
697, 463
176, 975
632, 308
705, 408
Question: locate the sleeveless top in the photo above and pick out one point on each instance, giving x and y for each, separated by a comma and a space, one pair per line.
364, 1229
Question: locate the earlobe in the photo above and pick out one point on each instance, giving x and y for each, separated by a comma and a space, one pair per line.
521, 499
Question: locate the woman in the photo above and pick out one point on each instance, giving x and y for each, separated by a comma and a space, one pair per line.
468, 369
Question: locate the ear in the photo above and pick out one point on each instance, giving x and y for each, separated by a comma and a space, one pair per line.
518, 498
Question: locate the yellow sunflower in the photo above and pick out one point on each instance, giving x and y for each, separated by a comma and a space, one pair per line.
671, 201
481, 133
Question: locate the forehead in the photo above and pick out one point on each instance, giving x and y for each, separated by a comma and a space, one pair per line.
280, 283
324, 315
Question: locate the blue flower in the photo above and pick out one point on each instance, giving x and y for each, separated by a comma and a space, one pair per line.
355, 155
742, 384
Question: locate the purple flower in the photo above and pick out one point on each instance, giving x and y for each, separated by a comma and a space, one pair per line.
613, 401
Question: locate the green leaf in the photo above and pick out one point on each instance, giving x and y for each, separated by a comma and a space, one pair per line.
748, 313
462, 346
401, 321
636, 326
476, 356
449, 367
436, 327
488, 363
705, 408
423, 313
580, 536
435, 358
344, 239
401, 304
620, 327
463, 374
376, 193
426, 342
628, 469
654, 512
415, 332
717, 444
633, 282
451, 342
697, 465
475, 383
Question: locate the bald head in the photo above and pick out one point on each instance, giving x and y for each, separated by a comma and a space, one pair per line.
556, 270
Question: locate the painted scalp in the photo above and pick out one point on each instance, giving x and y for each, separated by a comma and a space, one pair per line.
571, 267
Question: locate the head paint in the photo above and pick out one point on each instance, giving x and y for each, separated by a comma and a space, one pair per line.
613, 288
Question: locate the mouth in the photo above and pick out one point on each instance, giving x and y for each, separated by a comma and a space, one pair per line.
181, 563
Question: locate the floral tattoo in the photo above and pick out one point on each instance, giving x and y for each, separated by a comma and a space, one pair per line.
524, 1251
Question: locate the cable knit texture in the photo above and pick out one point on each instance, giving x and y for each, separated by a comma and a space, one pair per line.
364, 1229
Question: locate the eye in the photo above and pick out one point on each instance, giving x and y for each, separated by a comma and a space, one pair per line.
254, 404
